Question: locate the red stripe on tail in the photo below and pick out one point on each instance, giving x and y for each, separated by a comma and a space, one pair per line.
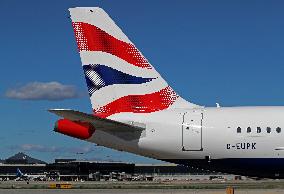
92, 38
139, 103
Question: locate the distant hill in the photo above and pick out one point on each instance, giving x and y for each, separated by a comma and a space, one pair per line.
22, 158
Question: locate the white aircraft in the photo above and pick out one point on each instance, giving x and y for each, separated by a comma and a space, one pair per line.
29, 177
135, 110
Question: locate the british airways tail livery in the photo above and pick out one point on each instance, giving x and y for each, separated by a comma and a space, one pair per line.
135, 110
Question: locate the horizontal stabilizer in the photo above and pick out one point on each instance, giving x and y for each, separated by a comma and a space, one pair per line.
122, 130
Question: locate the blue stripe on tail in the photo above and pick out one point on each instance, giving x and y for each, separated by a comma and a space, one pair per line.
99, 76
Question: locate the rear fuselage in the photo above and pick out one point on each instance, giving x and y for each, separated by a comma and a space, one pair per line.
241, 140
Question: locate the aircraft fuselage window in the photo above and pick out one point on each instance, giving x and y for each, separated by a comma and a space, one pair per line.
258, 130
248, 129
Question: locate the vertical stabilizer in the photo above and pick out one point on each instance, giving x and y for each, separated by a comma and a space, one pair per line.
119, 78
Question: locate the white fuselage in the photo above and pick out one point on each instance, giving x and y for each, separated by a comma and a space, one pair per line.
213, 132
204, 134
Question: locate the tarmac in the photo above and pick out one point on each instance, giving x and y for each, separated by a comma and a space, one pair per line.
146, 187
141, 191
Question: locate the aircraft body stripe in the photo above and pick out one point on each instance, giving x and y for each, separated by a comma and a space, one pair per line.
139, 103
110, 93
92, 38
107, 59
99, 76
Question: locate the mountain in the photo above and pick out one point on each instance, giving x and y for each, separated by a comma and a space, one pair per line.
22, 158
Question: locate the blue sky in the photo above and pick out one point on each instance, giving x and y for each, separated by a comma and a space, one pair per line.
230, 52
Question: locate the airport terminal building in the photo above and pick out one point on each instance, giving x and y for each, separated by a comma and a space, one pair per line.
72, 169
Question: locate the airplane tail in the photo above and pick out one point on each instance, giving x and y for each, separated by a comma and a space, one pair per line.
19, 173
119, 78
